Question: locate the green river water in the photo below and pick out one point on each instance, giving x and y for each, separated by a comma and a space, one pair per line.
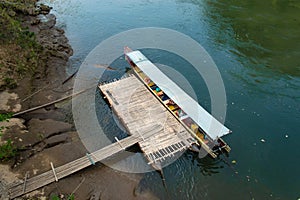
256, 46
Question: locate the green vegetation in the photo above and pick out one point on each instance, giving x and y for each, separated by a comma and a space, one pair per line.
7, 151
69, 197
55, 197
10, 83
19, 50
5, 116
1, 129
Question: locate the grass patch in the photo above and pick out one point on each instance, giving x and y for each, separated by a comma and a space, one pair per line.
1, 130
10, 82
69, 197
7, 151
19, 50
5, 116
55, 197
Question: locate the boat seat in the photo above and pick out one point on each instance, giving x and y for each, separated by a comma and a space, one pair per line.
165, 97
173, 107
160, 93
151, 84
153, 87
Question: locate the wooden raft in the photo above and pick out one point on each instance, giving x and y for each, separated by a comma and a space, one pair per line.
142, 114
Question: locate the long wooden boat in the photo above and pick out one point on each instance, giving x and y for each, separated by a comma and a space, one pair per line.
198, 122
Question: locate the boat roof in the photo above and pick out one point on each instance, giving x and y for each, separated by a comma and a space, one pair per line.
211, 126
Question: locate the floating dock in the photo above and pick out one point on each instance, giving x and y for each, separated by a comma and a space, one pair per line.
144, 116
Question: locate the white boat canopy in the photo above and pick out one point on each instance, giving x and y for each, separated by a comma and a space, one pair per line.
212, 127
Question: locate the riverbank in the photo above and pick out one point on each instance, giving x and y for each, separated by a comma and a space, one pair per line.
34, 54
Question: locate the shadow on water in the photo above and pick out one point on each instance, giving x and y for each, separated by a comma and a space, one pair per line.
182, 178
108, 121
207, 165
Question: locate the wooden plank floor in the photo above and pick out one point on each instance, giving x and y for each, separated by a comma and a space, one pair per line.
143, 114
46, 178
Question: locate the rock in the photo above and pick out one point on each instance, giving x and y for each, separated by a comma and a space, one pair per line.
57, 139
47, 21
58, 154
96, 195
13, 122
44, 9
19, 136
35, 21
55, 44
45, 114
6, 177
32, 11
47, 127
9, 102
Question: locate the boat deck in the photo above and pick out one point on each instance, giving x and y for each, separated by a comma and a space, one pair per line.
142, 114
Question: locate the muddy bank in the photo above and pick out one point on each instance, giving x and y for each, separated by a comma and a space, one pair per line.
48, 135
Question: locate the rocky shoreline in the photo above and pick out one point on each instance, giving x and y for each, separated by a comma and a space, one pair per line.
48, 135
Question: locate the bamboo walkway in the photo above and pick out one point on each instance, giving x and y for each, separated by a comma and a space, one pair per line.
60, 172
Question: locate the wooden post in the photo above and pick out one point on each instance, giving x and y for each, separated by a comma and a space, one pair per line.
56, 179
25, 180
51, 103
90, 159
119, 143
141, 136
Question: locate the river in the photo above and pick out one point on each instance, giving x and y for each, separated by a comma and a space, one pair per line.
255, 45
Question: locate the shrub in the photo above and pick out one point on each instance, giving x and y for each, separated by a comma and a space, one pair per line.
5, 116
7, 151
